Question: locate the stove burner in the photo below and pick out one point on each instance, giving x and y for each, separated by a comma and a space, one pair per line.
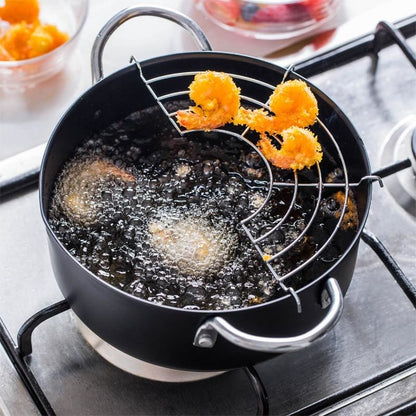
138, 367
401, 144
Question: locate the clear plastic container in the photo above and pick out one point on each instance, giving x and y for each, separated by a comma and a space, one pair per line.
270, 19
69, 16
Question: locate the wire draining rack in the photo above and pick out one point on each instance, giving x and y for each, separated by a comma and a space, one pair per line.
172, 93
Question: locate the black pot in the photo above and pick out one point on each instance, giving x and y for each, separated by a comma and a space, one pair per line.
164, 335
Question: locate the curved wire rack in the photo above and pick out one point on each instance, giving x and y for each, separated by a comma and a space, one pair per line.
319, 185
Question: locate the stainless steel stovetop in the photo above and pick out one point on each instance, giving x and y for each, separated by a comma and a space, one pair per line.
374, 341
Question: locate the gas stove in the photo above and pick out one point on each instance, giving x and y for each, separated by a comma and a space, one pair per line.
365, 366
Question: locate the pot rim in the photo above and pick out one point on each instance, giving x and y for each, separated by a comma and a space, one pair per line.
240, 58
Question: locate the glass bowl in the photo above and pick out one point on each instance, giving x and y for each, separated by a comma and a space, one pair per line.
69, 16
270, 19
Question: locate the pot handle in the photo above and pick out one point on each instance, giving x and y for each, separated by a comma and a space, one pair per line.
126, 14
206, 334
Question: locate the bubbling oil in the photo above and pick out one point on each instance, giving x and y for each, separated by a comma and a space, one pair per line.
190, 243
157, 215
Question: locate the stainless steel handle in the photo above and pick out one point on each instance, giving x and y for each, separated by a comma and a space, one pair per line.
206, 334
126, 14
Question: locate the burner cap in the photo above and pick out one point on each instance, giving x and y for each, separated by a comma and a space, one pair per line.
400, 145
413, 146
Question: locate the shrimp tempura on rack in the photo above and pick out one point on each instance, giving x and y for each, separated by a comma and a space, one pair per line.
292, 103
299, 149
217, 100
293, 107
258, 120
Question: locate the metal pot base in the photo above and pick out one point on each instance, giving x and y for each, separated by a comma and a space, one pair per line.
138, 367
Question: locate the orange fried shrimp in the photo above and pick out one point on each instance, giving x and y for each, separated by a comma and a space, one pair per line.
292, 104
80, 187
299, 149
217, 101
258, 120
105, 169
350, 219
26, 37
16, 11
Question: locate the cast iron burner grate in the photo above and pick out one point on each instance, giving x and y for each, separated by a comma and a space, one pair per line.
369, 44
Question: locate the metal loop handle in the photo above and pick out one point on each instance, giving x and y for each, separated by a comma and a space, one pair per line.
206, 335
126, 14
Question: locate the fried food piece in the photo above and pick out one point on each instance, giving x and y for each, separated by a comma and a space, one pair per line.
299, 149
258, 120
4, 55
16, 11
182, 170
293, 107
44, 39
27, 37
217, 101
79, 186
350, 219
191, 244
104, 169
24, 41
292, 103
15, 40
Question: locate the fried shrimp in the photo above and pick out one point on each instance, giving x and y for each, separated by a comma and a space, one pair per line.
193, 244
80, 187
258, 120
292, 104
299, 149
293, 107
22, 35
350, 219
16, 11
217, 101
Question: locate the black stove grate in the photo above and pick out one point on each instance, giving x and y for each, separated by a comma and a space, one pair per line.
384, 35
371, 44
19, 354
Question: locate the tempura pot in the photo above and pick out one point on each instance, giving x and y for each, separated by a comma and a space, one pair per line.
178, 338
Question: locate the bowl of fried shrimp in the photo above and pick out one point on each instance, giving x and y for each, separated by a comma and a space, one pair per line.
37, 37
